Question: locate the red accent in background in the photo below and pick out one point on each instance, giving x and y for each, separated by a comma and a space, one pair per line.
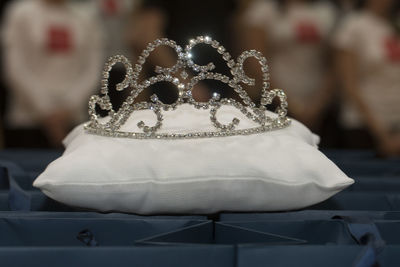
392, 48
59, 39
307, 32
110, 7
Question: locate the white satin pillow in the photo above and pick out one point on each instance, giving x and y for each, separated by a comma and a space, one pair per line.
273, 171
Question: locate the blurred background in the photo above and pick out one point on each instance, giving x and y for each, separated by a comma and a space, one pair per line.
338, 61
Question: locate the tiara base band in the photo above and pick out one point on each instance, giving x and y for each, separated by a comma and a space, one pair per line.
153, 135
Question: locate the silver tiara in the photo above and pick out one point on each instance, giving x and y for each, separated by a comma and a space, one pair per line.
178, 76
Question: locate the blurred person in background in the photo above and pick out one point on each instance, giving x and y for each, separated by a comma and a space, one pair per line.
294, 35
115, 17
368, 62
344, 6
3, 94
52, 63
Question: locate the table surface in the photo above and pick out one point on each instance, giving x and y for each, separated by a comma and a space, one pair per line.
359, 226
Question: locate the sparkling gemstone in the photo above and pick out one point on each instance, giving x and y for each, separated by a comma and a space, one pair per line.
216, 96
184, 74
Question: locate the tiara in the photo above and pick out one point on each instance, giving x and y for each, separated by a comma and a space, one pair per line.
178, 76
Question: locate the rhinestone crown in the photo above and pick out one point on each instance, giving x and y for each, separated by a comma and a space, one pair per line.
258, 114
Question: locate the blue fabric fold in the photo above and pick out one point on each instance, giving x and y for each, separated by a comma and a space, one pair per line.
365, 232
18, 198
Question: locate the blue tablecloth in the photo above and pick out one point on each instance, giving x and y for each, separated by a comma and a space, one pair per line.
357, 227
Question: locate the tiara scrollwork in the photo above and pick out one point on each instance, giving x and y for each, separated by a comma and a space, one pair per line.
257, 114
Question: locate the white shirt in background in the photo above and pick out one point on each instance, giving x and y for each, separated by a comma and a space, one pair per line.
298, 39
377, 51
115, 17
53, 60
